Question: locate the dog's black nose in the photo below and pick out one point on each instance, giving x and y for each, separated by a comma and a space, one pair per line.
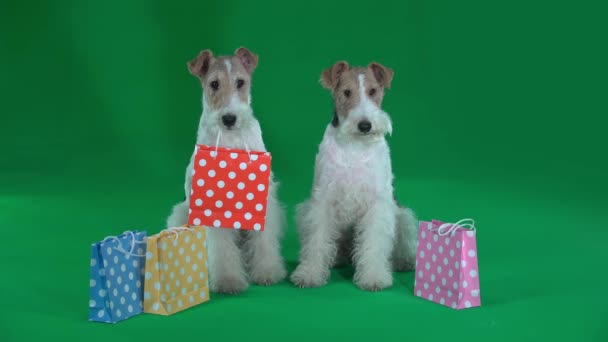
229, 119
365, 126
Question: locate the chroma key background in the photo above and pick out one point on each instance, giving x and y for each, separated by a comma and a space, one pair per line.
499, 114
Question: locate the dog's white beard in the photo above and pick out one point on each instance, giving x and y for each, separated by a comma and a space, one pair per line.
245, 134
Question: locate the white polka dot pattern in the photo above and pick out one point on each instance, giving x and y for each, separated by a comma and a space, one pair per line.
115, 275
453, 279
179, 283
229, 185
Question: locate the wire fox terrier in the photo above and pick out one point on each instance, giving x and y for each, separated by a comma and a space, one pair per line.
352, 214
235, 257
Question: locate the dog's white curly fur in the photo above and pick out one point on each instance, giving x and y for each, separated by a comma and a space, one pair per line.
237, 257
351, 212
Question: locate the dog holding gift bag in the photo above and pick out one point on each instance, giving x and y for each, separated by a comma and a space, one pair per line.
351, 211
235, 257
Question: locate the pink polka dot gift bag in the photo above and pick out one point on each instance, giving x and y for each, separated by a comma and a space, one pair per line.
229, 188
446, 264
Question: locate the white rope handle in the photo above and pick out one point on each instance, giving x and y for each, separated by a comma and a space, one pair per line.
217, 144
122, 250
448, 228
177, 230
247, 149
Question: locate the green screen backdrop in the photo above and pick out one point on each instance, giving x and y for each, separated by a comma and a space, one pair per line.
499, 114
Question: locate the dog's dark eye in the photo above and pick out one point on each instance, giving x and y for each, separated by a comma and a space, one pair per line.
240, 83
347, 93
372, 92
214, 85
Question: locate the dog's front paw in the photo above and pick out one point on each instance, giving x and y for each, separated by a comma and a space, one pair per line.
308, 277
374, 282
229, 284
268, 275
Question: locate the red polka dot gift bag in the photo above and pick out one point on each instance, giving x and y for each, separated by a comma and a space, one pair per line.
229, 188
446, 264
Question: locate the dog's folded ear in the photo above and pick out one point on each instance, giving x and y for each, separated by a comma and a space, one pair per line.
330, 77
200, 65
383, 75
247, 58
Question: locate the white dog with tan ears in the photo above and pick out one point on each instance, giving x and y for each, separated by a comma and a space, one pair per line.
352, 213
235, 257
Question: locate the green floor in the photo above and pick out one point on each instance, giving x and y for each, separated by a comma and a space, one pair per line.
542, 272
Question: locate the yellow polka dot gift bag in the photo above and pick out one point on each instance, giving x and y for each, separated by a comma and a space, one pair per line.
176, 270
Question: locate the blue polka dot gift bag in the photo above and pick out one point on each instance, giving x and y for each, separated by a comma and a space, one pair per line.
116, 281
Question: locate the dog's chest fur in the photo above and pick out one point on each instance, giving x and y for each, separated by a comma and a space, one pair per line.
352, 176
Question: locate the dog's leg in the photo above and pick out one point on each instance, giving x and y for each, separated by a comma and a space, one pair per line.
318, 245
373, 247
263, 249
179, 215
404, 253
226, 272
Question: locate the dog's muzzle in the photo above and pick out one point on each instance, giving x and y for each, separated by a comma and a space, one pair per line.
229, 120
364, 126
